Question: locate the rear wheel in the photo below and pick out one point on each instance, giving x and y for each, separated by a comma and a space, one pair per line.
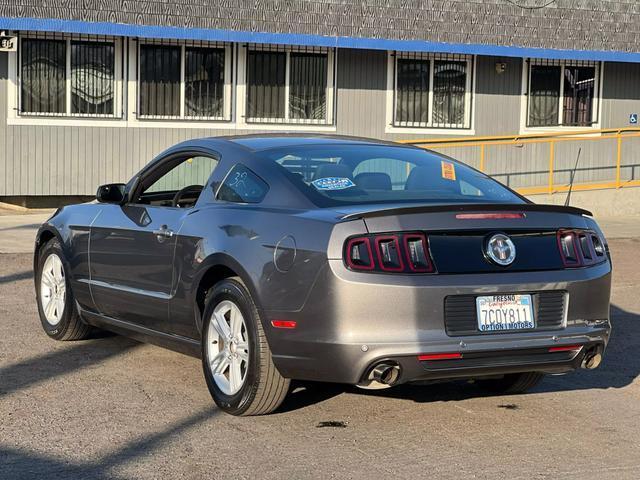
56, 305
236, 358
512, 382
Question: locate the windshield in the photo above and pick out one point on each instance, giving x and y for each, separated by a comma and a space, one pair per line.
334, 175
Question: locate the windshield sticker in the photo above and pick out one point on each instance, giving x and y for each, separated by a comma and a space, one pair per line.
333, 183
448, 170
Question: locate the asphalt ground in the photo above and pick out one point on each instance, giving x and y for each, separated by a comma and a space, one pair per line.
110, 407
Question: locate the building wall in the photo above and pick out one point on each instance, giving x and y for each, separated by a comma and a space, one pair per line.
72, 160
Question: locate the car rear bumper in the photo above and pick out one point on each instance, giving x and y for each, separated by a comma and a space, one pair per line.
351, 321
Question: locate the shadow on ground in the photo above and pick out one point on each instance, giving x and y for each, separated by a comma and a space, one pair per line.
18, 464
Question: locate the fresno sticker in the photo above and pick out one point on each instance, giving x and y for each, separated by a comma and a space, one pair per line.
333, 183
448, 170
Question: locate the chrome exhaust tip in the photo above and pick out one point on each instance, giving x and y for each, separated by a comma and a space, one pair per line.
386, 373
592, 361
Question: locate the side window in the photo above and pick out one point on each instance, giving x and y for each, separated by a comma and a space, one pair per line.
188, 176
192, 171
241, 185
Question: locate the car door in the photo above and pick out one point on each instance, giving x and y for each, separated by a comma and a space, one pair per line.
132, 245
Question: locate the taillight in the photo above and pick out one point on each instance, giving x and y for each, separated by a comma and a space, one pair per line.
580, 248
393, 253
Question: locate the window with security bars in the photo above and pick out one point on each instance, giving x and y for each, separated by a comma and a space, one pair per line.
68, 77
289, 86
562, 94
184, 81
432, 91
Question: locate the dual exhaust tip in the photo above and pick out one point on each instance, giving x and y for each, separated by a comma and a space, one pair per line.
592, 360
386, 373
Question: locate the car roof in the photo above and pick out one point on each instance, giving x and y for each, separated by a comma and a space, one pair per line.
260, 142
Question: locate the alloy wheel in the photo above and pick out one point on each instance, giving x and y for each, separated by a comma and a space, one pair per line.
53, 289
228, 347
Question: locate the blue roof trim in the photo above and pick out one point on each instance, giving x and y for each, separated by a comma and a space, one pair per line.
151, 31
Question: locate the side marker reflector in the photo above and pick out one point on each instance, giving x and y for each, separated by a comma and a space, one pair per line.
284, 324
439, 356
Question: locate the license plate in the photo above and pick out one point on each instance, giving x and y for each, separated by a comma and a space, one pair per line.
500, 313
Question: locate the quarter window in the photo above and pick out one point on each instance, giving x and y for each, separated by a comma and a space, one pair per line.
185, 81
69, 77
562, 94
241, 185
432, 91
289, 86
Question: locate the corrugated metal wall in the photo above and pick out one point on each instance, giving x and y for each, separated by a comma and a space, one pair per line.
66, 160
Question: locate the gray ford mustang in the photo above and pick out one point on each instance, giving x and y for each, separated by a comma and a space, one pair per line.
334, 259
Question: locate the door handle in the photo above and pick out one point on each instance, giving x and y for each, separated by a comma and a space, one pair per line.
163, 233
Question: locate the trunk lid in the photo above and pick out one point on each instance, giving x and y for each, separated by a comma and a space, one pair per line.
458, 234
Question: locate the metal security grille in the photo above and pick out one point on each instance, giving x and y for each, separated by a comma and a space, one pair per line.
62, 75
190, 80
93, 82
562, 93
159, 81
266, 78
286, 85
204, 82
432, 90
308, 86
412, 92
43, 76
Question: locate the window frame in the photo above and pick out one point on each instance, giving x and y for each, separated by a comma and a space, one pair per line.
242, 87
227, 98
394, 126
596, 110
118, 76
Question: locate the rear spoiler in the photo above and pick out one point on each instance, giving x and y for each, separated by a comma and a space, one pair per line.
482, 207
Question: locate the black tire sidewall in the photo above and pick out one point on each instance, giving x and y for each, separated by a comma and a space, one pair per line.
235, 292
54, 331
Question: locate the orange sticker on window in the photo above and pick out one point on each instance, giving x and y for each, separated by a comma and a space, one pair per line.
448, 170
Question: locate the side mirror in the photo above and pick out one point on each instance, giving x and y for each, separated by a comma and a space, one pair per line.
111, 193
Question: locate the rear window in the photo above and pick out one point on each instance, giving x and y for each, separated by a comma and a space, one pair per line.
333, 175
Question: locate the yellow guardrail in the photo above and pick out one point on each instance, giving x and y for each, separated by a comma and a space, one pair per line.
619, 134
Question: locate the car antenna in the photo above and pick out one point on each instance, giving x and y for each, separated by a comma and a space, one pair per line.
573, 175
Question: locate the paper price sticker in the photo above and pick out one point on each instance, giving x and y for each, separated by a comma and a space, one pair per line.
448, 170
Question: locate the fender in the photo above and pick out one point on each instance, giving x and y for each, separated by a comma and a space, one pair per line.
225, 260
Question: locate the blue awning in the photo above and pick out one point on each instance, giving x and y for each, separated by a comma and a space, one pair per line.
160, 32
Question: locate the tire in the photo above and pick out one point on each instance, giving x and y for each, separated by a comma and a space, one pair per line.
61, 321
259, 389
512, 383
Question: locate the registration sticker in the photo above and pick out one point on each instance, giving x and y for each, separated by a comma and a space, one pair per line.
448, 170
499, 313
333, 183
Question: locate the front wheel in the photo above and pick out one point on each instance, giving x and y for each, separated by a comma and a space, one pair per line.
56, 305
512, 382
236, 358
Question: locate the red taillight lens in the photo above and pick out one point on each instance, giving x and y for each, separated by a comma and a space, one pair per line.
418, 253
567, 243
359, 254
580, 248
398, 253
389, 254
